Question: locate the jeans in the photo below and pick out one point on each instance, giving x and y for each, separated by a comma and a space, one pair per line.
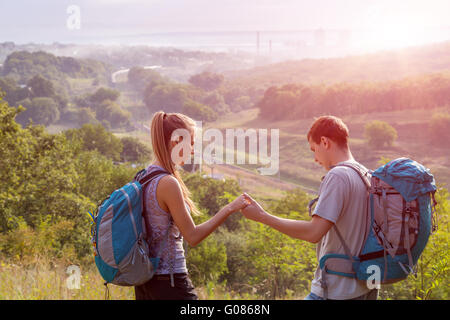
371, 295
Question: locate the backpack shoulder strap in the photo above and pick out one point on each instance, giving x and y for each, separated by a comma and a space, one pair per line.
144, 179
365, 174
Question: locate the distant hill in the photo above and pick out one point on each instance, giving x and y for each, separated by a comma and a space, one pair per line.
23, 65
386, 65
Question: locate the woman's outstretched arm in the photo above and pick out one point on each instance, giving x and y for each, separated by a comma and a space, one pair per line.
171, 195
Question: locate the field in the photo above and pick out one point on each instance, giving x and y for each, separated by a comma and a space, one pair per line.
297, 167
47, 281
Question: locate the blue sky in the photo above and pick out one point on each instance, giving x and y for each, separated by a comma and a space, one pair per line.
32, 20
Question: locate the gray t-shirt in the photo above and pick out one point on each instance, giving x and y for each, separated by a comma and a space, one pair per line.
342, 200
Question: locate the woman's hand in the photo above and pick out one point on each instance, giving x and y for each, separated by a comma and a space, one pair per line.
237, 204
253, 211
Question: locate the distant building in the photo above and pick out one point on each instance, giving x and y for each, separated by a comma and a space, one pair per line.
345, 38
319, 38
257, 43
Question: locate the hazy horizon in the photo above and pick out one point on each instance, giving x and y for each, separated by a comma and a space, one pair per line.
369, 25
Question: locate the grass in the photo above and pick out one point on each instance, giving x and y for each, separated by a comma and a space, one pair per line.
46, 281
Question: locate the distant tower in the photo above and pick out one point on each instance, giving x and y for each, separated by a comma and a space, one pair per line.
345, 38
319, 38
257, 42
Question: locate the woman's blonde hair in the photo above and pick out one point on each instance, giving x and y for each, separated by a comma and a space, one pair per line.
162, 127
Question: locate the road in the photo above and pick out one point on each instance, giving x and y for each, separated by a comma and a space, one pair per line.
124, 71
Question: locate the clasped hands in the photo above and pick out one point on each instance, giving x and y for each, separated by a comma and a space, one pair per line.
248, 206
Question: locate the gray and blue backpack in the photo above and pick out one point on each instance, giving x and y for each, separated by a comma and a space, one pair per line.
119, 235
400, 218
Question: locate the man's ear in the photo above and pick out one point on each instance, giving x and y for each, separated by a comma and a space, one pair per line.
325, 141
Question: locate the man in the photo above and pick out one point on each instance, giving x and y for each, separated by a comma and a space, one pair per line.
342, 203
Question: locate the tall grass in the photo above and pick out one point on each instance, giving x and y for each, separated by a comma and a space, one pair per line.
45, 280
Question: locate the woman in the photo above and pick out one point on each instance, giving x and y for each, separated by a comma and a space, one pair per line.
169, 207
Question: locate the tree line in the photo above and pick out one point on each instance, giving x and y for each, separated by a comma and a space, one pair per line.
300, 101
23, 65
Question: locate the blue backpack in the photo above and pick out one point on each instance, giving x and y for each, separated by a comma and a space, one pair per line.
400, 218
118, 235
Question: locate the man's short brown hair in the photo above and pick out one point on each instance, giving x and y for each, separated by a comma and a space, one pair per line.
331, 127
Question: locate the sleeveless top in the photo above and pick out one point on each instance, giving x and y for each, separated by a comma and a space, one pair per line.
173, 253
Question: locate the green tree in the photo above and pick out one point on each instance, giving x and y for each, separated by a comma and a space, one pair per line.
263, 261
13, 93
108, 176
212, 195
41, 87
113, 113
134, 151
85, 115
95, 137
139, 78
216, 101
40, 110
440, 129
47, 184
103, 94
277, 263
207, 81
167, 97
207, 261
380, 133
38, 176
198, 111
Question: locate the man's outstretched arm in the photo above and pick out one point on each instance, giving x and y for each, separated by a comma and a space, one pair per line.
311, 231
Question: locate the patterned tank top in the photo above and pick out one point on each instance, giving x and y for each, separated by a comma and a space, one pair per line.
173, 253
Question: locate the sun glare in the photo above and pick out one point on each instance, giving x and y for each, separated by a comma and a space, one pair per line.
386, 30
393, 36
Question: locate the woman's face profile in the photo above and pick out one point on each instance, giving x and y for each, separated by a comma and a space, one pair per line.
179, 150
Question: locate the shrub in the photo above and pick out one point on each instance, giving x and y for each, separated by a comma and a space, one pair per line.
380, 133
134, 151
440, 129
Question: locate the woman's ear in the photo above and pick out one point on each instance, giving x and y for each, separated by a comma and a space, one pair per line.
173, 143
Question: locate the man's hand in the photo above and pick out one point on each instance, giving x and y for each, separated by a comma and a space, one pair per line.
311, 231
253, 211
238, 204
